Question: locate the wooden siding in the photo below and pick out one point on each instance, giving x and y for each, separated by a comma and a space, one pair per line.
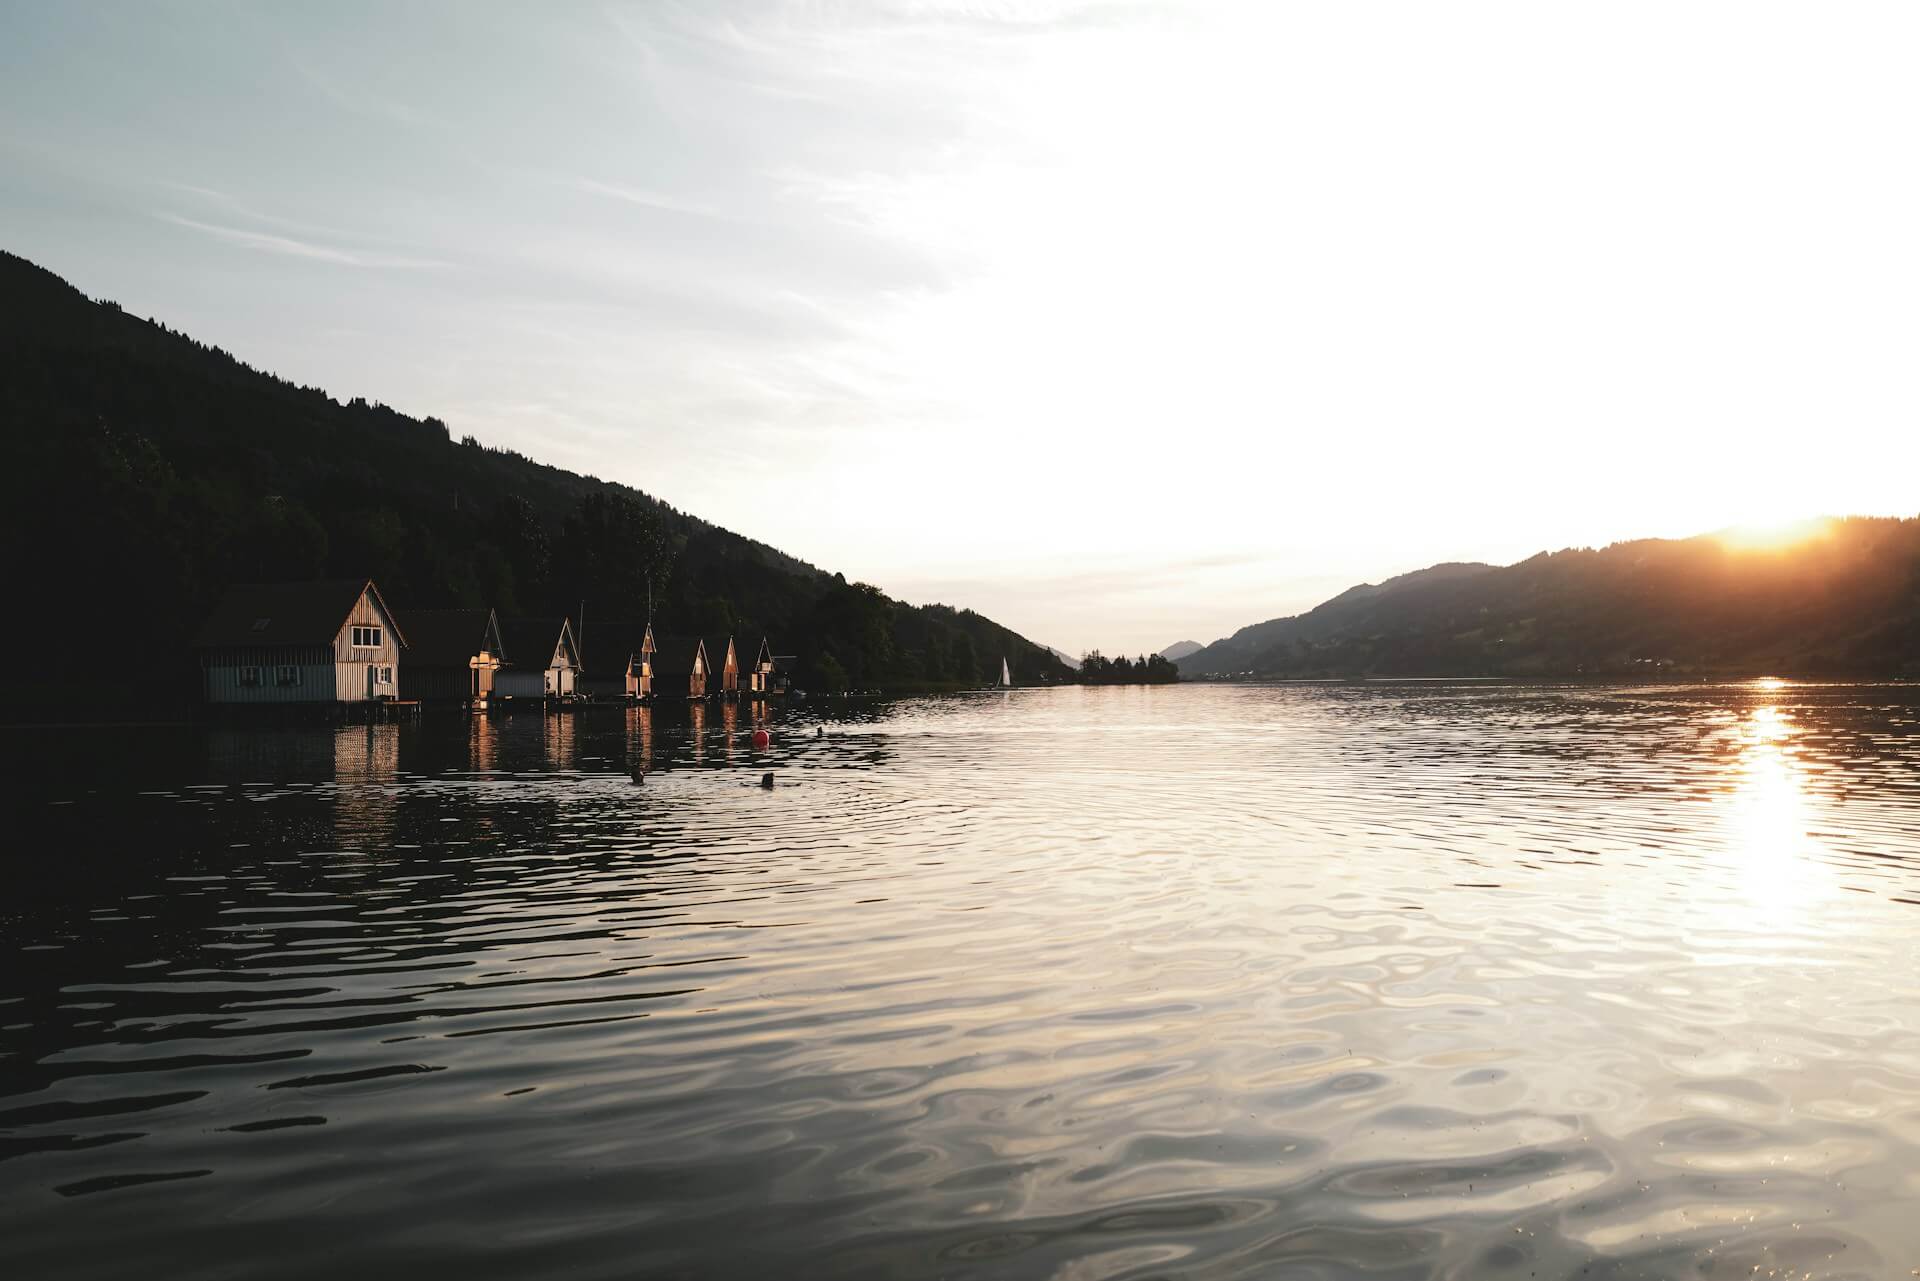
222, 673
438, 683
340, 674
450, 683
520, 682
367, 614
352, 661
604, 686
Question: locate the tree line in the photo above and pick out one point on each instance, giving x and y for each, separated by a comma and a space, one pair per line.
148, 472
1148, 669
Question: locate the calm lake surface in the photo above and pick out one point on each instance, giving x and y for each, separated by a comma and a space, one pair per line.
1204, 982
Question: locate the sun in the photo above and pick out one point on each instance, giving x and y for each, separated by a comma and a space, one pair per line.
1773, 534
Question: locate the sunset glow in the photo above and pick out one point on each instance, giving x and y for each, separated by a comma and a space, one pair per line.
1774, 535
1176, 316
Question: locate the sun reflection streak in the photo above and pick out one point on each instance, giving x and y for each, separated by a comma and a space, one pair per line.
1768, 818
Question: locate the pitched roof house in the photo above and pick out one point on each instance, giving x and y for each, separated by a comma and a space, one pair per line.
451, 653
617, 660
760, 675
321, 642
724, 665
680, 667
543, 659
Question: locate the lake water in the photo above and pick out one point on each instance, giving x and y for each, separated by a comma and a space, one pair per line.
1204, 982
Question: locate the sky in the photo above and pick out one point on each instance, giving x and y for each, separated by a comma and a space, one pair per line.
1122, 323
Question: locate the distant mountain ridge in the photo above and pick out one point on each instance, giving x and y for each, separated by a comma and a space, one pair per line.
1179, 650
1846, 601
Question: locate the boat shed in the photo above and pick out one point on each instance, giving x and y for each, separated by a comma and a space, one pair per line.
760, 677
680, 667
616, 660
543, 659
723, 675
333, 641
452, 654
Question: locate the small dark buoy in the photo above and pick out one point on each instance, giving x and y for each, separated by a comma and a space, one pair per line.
762, 740
766, 780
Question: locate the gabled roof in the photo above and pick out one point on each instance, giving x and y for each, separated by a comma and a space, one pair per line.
765, 655
607, 648
717, 652
673, 655
530, 642
446, 637
267, 614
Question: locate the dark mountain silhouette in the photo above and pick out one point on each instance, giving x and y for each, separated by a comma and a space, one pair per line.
1179, 650
149, 471
1843, 601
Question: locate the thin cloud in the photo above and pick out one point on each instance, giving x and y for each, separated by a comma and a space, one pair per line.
292, 248
653, 200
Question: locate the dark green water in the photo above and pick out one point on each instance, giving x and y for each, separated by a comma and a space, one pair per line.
1203, 982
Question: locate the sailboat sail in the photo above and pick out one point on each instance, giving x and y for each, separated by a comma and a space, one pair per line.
1006, 677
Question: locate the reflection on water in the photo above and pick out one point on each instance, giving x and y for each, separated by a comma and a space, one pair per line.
1769, 824
559, 727
483, 744
1397, 981
639, 739
366, 767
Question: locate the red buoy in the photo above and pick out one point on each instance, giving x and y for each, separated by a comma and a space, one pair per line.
762, 740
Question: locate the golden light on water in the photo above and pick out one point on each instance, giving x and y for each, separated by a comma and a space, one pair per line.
1768, 815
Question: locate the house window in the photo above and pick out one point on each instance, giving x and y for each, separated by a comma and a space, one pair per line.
287, 675
249, 678
366, 637
385, 676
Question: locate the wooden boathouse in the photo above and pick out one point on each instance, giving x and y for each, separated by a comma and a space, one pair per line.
679, 667
760, 676
723, 675
453, 655
543, 659
320, 642
616, 660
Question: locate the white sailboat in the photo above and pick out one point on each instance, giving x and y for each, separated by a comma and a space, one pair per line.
1006, 677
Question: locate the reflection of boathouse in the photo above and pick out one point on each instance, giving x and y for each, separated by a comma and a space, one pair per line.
366, 772
639, 740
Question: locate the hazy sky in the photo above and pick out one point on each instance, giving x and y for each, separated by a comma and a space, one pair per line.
1121, 323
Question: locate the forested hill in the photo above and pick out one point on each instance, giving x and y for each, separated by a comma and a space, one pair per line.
149, 471
1844, 600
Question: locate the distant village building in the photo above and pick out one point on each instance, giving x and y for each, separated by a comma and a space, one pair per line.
452, 654
321, 642
723, 674
617, 660
680, 667
760, 679
543, 659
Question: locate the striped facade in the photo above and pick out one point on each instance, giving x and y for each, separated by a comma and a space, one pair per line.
300, 643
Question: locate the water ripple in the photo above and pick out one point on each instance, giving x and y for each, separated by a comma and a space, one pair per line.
1411, 981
